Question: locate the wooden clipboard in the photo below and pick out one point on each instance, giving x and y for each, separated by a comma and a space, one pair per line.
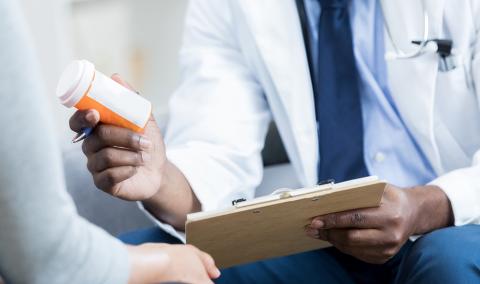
274, 225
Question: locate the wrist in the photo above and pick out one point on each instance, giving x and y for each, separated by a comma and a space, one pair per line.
431, 209
160, 182
165, 176
174, 198
147, 265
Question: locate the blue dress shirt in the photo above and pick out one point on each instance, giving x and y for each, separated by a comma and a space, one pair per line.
391, 152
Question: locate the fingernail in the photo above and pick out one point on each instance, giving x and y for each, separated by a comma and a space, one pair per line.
91, 116
218, 273
145, 144
318, 224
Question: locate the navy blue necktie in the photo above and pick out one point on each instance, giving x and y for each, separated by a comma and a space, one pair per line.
337, 98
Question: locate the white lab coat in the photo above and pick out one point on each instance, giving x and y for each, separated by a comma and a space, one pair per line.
244, 62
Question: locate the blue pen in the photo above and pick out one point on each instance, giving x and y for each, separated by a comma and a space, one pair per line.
82, 135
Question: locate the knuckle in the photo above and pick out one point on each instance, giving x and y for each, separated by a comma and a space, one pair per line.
388, 253
85, 146
396, 219
397, 238
104, 132
352, 236
91, 165
331, 220
99, 162
75, 121
357, 218
116, 190
133, 140
72, 124
97, 181
90, 144
132, 171
394, 239
109, 179
108, 158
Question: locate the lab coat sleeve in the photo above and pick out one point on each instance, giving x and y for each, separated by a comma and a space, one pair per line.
219, 115
463, 190
462, 186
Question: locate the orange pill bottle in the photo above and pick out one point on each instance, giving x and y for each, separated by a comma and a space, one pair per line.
83, 87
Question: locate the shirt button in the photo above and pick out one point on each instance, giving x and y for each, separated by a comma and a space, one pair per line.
379, 157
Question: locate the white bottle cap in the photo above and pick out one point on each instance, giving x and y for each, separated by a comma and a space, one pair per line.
74, 82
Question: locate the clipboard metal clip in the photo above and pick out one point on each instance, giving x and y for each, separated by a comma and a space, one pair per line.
283, 193
327, 181
236, 201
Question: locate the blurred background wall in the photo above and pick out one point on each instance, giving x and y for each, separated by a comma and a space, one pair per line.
137, 38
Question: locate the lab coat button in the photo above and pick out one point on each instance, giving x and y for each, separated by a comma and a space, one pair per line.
379, 157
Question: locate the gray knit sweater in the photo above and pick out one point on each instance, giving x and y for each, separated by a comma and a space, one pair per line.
42, 239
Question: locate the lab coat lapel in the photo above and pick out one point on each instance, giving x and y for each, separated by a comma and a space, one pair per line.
277, 32
413, 81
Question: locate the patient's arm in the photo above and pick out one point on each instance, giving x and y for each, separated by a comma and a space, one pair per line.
153, 263
42, 238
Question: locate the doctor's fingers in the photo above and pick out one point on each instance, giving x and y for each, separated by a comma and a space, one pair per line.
114, 136
353, 237
82, 119
369, 245
369, 218
114, 157
375, 255
110, 180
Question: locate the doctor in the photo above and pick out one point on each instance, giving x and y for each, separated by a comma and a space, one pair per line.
352, 96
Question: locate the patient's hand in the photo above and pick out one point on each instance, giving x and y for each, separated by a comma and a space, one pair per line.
153, 263
123, 163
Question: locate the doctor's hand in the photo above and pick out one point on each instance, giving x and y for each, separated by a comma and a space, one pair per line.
125, 164
375, 235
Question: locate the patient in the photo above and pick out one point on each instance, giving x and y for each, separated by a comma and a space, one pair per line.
42, 239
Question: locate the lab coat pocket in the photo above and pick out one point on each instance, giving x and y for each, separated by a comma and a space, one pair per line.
454, 90
456, 106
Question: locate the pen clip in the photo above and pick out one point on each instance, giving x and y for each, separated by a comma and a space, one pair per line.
85, 132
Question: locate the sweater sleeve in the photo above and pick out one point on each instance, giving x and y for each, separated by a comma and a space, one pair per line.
42, 238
